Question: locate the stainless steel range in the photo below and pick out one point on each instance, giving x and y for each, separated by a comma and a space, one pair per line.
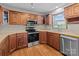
33, 38
33, 35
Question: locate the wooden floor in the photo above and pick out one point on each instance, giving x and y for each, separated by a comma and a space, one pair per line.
38, 50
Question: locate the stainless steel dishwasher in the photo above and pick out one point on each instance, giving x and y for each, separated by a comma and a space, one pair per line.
69, 45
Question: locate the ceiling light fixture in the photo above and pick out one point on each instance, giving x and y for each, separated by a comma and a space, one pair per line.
56, 7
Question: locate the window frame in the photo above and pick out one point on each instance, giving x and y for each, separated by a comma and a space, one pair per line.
62, 20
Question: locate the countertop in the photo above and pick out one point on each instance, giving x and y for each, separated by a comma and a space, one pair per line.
65, 32
10, 29
6, 30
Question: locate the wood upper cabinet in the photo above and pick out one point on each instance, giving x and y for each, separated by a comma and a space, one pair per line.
43, 37
22, 40
32, 17
48, 19
75, 10
39, 19
13, 17
53, 40
68, 12
1, 15
12, 42
20, 18
23, 18
72, 11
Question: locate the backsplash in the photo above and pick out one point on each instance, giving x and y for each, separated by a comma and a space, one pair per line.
46, 27
73, 27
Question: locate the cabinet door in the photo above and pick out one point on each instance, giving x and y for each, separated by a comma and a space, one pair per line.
18, 18
12, 42
75, 10
72, 13
1, 15
0, 52
12, 17
49, 39
4, 47
48, 19
39, 19
56, 40
43, 37
24, 18
68, 12
22, 40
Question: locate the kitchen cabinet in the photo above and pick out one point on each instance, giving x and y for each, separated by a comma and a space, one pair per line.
56, 41
71, 13
0, 52
17, 18
49, 19
68, 12
75, 10
12, 42
50, 38
1, 15
23, 18
20, 18
43, 37
21, 40
73, 20
13, 17
4, 47
53, 40
39, 19
32, 17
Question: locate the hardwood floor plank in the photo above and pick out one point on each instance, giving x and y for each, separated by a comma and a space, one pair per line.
38, 50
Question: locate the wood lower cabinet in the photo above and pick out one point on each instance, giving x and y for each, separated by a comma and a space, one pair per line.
50, 38
21, 40
43, 37
56, 41
4, 47
53, 40
12, 42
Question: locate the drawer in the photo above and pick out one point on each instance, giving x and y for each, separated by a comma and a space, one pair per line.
21, 34
18, 37
12, 36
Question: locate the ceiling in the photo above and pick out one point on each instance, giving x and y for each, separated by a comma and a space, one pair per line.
42, 8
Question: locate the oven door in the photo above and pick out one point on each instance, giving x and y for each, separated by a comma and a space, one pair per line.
33, 37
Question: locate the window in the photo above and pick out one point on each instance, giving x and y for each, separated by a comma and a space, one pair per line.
59, 21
